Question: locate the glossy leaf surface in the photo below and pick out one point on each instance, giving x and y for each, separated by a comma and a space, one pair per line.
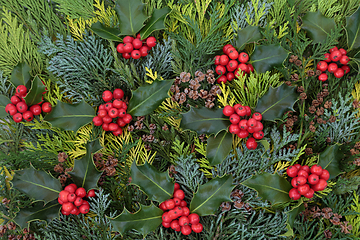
247, 35
318, 26
353, 30
219, 147
3, 102
20, 75
156, 22
108, 33
35, 92
265, 58
330, 160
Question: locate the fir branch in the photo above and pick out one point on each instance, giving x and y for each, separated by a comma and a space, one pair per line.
76, 8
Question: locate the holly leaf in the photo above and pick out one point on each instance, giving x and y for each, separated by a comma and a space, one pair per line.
353, 30
70, 116
330, 160
317, 26
20, 75
276, 102
156, 22
37, 212
265, 58
37, 184
156, 185
204, 120
247, 35
85, 173
3, 102
131, 15
35, 93
108, 33
271, 187
218, 147
210, 195
148, 97
146, 220
292, 214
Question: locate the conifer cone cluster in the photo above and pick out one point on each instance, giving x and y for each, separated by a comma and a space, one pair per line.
72, 200
242, 124
177, 215
231, 64
19, 110
112, 115
135, 48
335, 62
306, 181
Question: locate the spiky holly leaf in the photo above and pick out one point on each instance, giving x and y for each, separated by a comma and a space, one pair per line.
20, 75
35, 93
204, 120
37, 184
318, 26
148, 97
210, 195
353, 30
37, 212
156, 22
85, 173
70, 116
105, 32
218, 147
330, 160
276, 102
131, 15
247, 35
292, 214
271, 187
146, 220
3, 102
266, 57
156, 185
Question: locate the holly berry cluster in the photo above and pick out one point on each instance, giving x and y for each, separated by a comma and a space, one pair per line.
112, 116
72, 202
331, 64
135, 48
177, 215
19, 110
242, 127
306, 181
231, 61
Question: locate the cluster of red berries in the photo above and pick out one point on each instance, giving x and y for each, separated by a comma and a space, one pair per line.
134, 48
306, 181
228, 62
177, 215
19, 110
72, 202
242, 127
331, 64
112, 111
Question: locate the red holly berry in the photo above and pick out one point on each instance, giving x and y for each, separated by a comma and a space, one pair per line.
137, 43
144, 51
301, 180
113, 127
162, 206
346, 69
107, 96
292, 171
327, 57
165, 217
228, 110
183, 220
339, 73
194, 218
21, 107
250, 67
151, 42
128, 39
241, 111
230, 76
310, 193
128, 48
166, 224
217, 60
322, 66
127, 118
234, 129
313, 179
183, 203
332, 67
251, 122
303, 173
15, 99
105, 126
231, 65
197, 227
102, 113
234, 118
179, 194
135, 54
259, 127
35, 109
303, 189
344, 59
68, 206
222, 79
226, 47
294, 194
323, 77
21, 90
243, 57
335, 55
78, 201
118, 93
107, 119
113, 112
80, 192
294, 182
28, 116
224, 60
120, 48
306, 168
126, 55
71, 197
186, 211
17, 117
243, 134
243, 124
186, 230
220, 70
97, 121
325, 175
316, 169
177, 201
298, 166
251, 144
343, 51
84, 208
117, 132
258, 135
333, 49
63, 196
248, 111
321, 185
233, 54
122, 112
121, 122
170, 204
257, 116
11, 109
175, 225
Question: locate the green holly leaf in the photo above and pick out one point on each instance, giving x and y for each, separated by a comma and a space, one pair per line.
3, 102
265, 58
70, 116
353, 30
131, 15
276, 102
146, 220
156, 185
317, 26
292, 214
210, 195
35, 92
218, 147
330, 160
37, 184
108, 33
37, 212
204, 120
271, 187
20, 75
148, 97
156, 22
85, 173
247, 35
